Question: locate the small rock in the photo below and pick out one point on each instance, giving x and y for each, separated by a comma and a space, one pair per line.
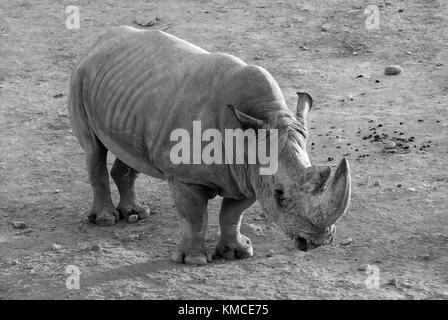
270, 253
330, 158
393, 282
393, 70
133, 218
376, 183
19, 225
391, 145
57, 191
411, 189
23, 232
346, 241
134, 236
324, 28
145, 22
362, 267
56, 247
405, 284
59, 95
95, 247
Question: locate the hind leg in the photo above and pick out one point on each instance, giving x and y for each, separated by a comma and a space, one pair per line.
103, 211
130, 207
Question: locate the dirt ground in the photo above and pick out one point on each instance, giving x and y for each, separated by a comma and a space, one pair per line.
398, 215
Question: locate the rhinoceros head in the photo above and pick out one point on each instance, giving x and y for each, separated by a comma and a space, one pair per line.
302, 198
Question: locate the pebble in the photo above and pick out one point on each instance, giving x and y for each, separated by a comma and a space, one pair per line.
134, 236
95, 247
133, 218
393, 282
376, 183
391, 145
362, 267
144, 22
19, 225
393, 70
270, 253
346, 241
56, 247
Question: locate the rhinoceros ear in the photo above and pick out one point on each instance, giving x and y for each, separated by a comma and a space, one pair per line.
304, 104
246, 120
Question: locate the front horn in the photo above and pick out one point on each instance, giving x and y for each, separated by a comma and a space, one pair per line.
336, 197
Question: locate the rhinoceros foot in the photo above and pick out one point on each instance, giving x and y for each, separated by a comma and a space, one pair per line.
240, 249
103, 217
194, 258
130, 211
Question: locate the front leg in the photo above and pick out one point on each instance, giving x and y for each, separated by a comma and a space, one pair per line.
191, 202
233, 245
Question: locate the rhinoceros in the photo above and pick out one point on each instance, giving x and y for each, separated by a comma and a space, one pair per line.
134, 87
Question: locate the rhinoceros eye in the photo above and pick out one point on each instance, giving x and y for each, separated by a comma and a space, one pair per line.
279, 196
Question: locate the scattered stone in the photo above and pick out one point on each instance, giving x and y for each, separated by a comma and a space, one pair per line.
270, 253
346, 241
133, 218
134, 236
393, 282
391, 145
405, 284
95, 247
362, 267
57, 191
393, 70
19, 225
145, 22
59, 95
56, 247
14, 262
377, 81
24, 232
399, 185
330, 158
324, 28
411, 189
376, 183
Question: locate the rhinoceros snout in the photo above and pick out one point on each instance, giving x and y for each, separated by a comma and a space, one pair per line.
304, 244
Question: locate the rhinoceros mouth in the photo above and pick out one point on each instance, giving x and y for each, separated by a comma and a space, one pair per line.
311, 242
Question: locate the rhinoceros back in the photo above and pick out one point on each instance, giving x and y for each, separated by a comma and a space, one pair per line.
138, 85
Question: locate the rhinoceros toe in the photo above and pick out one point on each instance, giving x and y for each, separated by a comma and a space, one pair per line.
104, 217
129, 213
240, 249
193, 259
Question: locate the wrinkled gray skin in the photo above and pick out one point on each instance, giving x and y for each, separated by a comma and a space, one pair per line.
133, 88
